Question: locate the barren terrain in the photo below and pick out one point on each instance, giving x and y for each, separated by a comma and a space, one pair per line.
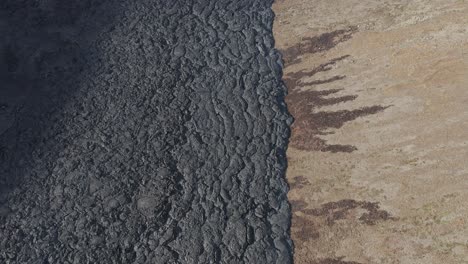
377, 157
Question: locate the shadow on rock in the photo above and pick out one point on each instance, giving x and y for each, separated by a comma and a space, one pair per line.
46, 49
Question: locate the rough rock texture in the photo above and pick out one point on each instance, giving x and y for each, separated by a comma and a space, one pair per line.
146, 131
377, 158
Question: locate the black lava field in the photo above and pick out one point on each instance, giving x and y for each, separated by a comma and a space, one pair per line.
149, 131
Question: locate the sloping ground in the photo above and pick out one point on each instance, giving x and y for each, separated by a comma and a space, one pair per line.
145, 131
377, 158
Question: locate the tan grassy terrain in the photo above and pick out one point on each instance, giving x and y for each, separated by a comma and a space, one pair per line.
378, 155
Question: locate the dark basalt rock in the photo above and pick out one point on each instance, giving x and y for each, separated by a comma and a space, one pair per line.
145, 131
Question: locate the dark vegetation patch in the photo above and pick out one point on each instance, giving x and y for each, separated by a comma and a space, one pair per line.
309, 123
334, 261
306, 224
303, 230
298, 182
297, 205
321, 43
335, 211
